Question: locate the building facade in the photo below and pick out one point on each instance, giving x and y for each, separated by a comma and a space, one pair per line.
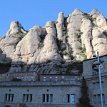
49, 91
90, 73
32, 90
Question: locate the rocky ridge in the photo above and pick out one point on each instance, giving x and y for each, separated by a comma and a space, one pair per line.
53, 48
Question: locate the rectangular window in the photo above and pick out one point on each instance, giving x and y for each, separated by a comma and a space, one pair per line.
103, 99
43, 97
9, 97
51, 97
47, 97
94, 99
71, 98
97, 99
27, 97
96, 85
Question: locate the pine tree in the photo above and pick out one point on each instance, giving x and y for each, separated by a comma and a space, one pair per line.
84, 100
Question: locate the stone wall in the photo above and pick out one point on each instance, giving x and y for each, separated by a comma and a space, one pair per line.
92, 78
59, 91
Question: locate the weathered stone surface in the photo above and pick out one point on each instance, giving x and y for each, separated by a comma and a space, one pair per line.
99, 41
13, 36
60, 26
55, 47
74, 33
50, 49
101, 21
94, 13
15, 27
29, 44
86, 37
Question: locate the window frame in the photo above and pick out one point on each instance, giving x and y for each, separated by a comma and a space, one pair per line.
27, 97
71, 98
9, 97
47, 98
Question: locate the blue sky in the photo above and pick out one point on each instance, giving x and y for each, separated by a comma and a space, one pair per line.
37, 12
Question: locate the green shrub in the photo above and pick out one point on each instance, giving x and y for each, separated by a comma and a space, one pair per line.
40, 45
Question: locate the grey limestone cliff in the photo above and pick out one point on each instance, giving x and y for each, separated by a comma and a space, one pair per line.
53, 48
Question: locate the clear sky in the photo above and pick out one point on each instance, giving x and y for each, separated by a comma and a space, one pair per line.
37, 12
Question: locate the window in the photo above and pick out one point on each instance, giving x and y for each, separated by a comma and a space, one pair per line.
94, 99
94, 73
9, 97
97, 99
27, 97
47, 97
96, 85
71, 98
103, 98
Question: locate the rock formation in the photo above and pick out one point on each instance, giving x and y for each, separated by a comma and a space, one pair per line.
53, 48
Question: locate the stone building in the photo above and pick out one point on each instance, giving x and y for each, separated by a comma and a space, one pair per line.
52, 90
90, 72
35, 63
49, 91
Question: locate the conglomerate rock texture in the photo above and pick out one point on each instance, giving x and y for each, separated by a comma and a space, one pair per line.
53, 48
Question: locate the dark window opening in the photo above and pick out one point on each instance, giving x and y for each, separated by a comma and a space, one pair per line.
47, 97
27, 97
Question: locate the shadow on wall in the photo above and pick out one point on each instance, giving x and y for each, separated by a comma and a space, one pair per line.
4, 68
7, 106
5, 63
49, 67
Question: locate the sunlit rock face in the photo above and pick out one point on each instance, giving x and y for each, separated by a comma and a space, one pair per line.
15, 27
55, 46
9, 42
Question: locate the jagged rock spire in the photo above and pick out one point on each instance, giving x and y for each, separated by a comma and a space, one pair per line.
68, 39
15, 27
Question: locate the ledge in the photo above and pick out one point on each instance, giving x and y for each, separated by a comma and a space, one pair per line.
40, 84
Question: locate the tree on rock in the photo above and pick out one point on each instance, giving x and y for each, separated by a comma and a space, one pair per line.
84, 100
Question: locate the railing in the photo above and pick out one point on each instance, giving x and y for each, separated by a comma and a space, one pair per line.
34, 83
24, 76
32, 76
